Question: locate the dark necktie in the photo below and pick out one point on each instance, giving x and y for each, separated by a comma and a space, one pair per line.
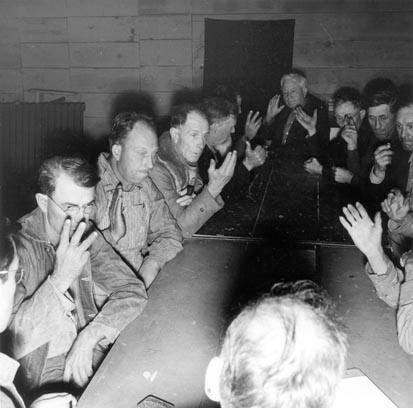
116, 216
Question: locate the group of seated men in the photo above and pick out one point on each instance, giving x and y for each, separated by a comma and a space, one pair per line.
84, 258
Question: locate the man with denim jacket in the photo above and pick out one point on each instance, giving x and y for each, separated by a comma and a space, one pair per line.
76, 294
131, 212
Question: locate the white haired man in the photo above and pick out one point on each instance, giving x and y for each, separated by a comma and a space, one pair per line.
283, 351
297, 120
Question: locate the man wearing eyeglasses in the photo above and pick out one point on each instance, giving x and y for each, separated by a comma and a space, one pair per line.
76, 294
345, 159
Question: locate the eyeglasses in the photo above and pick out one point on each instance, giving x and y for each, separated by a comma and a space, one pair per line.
73, 210
19, 273
347, 120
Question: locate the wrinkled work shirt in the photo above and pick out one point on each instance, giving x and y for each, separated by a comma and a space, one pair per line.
150, 226
103, 300
396, 289
9, 397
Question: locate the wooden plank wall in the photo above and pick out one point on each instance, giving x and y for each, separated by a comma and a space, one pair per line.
98, 48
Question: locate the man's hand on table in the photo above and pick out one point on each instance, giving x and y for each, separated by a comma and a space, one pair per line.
78, 367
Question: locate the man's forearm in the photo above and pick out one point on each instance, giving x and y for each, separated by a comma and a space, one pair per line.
378, 261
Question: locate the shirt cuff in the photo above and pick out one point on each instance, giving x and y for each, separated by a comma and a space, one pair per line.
65, 300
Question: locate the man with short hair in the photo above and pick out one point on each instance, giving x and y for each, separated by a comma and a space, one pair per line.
131, 212
390, 159
297, 121
191, 201
222, 119
274, 342
76, 294
344, 160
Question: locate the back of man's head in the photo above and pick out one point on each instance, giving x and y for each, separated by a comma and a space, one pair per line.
283, 351
82, 172
381, 91
218, 108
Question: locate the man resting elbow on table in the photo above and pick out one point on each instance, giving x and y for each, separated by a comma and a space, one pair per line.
392, 285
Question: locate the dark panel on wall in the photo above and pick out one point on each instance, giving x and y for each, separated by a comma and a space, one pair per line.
254, 54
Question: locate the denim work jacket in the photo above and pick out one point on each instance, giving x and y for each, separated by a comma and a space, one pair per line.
170, 176
45, 321
151, 232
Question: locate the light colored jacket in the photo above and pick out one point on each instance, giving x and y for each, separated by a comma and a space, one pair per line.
171, 176
151, 231
9, 397
109, 296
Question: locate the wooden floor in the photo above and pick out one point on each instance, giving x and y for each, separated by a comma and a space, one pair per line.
166, 350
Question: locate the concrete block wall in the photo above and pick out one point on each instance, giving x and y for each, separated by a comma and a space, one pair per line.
92, 50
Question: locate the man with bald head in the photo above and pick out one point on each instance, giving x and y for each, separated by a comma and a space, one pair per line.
131, 211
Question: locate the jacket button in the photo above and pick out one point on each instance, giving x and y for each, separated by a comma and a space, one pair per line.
201, 209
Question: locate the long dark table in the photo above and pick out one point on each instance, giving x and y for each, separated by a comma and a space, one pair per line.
165, 351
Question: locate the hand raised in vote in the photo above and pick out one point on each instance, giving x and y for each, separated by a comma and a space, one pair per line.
252, 124
365, 233
313, 166
254, 158
219, 178
382, 158
396, 206
274, 108
306, 121
71, 255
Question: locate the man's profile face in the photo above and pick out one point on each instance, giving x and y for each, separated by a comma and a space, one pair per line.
69, 200
135, 154
347, 114
189, 138
293, 94
404, 126
381, 120
220, 134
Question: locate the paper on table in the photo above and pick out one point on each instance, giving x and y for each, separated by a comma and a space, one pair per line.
333, 132
360, 392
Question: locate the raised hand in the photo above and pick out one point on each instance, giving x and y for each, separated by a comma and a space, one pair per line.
218, 178
396, 206
313, 166
342, 175
252, 124
365, 233
382, 158
350, 136
71, 256
306, 121
273, 108
254, 158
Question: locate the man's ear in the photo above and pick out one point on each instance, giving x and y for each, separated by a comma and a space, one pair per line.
212, 377
41, 200
175, 133
305, 91
362, 113
116, 150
